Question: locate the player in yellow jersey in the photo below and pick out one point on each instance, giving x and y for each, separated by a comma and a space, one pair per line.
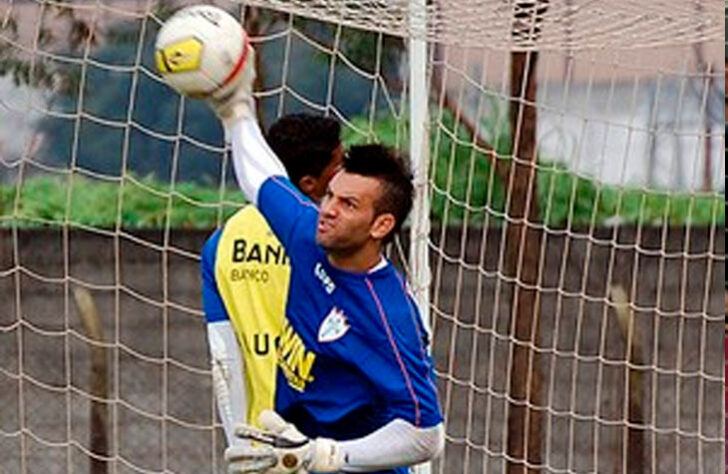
245, 276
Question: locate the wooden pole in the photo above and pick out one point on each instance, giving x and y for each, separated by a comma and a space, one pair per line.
522, 258
99, 381
523, 244
635, 381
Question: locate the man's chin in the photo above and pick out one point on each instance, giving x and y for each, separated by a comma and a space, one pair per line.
322, 241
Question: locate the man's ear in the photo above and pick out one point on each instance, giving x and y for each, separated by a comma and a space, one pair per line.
307, 184
382, 225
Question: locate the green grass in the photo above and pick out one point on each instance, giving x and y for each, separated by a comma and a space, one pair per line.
566, 198
464, 188
145, 203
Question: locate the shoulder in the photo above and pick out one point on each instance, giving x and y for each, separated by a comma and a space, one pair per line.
241, 220
209, 250
392, 303
389, 286
236, 225
278, 192
247, 222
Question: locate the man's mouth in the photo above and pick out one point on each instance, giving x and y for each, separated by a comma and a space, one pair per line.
323, 227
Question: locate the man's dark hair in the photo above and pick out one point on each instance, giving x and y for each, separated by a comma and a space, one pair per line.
391, 170
304, 143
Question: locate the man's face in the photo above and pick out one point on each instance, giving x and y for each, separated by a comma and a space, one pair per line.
347, 212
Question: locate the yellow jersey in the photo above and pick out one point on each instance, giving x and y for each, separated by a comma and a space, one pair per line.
251, 279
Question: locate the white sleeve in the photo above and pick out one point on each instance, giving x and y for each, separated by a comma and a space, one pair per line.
227, 377
253, 160
398, 443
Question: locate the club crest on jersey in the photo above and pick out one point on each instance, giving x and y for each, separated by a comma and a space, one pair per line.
334, 326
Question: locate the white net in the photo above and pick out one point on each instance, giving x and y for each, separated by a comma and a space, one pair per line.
566, 24
575, 252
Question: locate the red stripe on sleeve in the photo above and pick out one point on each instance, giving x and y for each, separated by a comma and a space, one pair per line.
393, 344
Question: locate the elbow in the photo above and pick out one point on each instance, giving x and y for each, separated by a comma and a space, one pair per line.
433, 444
439, 444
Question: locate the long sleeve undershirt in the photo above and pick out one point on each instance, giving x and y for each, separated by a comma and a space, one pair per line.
253, 160
228, 373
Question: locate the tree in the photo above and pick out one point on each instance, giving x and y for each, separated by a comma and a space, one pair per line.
523, 245
114, 113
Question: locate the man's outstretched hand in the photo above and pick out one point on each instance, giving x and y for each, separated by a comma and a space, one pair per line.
236, 100
279, 448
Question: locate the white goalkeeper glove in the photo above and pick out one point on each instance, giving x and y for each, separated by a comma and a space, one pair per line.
235, 100
281, 449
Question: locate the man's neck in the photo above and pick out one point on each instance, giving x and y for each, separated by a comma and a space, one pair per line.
361, 261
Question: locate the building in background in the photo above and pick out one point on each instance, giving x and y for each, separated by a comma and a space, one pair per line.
639, 118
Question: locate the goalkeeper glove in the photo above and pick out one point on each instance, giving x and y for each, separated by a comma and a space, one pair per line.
235, 100
281, 449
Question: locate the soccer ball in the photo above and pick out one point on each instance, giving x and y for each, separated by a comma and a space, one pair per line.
201, 50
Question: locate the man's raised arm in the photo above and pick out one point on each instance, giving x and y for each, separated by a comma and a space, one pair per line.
253, 160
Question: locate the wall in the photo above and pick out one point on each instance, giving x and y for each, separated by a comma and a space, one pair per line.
146, 287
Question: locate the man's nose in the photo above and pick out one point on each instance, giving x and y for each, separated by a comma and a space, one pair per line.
328, 207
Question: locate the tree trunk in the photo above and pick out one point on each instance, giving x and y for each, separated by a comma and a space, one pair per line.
522, 255
98, 381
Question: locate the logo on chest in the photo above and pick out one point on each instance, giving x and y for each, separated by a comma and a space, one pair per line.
334, 326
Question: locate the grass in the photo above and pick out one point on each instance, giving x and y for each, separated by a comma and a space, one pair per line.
464, 187
568, 199
565, 199
145, 203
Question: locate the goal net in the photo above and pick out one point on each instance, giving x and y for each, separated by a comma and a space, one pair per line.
567, 244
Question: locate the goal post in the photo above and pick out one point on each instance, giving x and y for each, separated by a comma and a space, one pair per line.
419, 255
566, 247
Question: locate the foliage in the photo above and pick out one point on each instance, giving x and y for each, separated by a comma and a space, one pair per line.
465, 186
370, 51
110, 116
568, 198
148, 203
145, 203
125, 115
40, 70
564, 198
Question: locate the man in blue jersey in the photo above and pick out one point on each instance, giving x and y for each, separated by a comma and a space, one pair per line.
355, 389
245, 275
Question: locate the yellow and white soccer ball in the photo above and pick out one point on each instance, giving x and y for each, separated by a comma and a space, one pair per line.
201, 50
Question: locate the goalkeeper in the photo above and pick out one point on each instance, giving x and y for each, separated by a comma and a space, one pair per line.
245, 276
355, 381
